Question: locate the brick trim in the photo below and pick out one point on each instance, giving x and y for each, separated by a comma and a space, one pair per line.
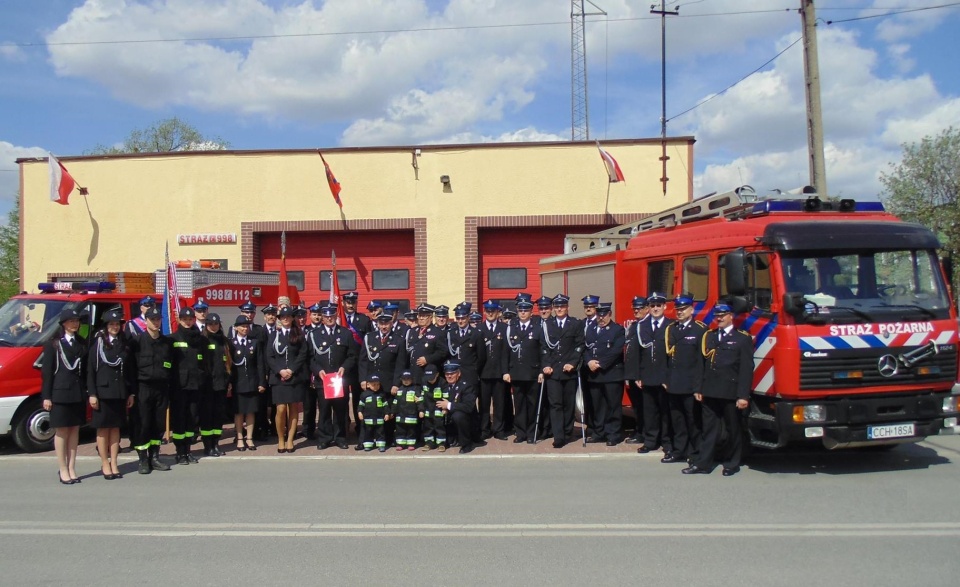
472, 224
250, 239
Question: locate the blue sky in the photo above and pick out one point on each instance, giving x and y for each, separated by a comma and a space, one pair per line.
384, 72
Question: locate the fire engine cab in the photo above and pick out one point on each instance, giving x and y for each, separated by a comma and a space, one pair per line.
855, 332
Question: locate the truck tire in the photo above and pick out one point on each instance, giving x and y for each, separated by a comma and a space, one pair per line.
31, 427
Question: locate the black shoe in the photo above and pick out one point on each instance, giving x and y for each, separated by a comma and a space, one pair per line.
672, 459
500, 436
694, 470
67, 482
156, 464
467, 448
612, 443
633, 440
645, 449
558, 443
359, 446
531, 441
215, 451
594, 440
183, 460
519, 439
731, 471
144, 466
486, 435
192, 458
311, 435
480, 443
341, 444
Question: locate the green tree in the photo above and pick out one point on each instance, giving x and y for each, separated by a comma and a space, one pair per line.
925, 188
10, 253
167, 135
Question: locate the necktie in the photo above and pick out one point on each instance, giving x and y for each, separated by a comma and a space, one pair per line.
243, 342
463, 333
720, 335
523, 328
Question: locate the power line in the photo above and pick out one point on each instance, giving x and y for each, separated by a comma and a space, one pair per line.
894, 13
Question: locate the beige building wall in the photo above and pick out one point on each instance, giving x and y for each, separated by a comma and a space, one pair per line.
139, 203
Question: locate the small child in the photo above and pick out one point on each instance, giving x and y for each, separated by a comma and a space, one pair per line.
374, 410
434, 420
407, 410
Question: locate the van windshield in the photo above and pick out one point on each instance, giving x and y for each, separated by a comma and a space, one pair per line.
868, 286
29, 322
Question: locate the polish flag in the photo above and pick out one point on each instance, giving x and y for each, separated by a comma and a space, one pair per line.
61, 182
613, 169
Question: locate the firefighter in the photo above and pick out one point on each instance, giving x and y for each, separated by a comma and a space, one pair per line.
109, 389
653, 375
424, 344
358, 325
374, 411
135, 328
605, 364
589, 322
560, 355
461, 406
331, 350
191, 359
212, 407
255, 331
725, 392
248, 380
264, 427
684, 378
523, 371
310, 401
200, 309
465, 344
434, 418
381, 354
407, 408
154, 378
441, 319
493, 389
631, 364
374, 309
544, 309
64, 391
287, 359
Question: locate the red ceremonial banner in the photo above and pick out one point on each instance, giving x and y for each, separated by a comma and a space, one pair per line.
332, 386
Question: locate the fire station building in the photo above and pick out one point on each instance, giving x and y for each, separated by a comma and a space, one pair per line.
431, 223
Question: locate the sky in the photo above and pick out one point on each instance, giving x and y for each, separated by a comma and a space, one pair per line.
281, 74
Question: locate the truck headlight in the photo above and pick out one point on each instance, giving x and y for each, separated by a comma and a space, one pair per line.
811, 413
950, 403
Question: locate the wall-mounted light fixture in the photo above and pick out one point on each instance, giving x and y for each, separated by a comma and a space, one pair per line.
445, 179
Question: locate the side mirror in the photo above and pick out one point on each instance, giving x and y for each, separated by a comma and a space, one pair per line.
734, 267
739, 304
793, 303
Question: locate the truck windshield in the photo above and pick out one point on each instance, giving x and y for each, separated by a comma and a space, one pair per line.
28, 322
866, 286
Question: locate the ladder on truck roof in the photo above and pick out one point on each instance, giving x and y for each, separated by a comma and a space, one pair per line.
709, 206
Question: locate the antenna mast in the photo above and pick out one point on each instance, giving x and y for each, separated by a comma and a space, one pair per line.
580, 107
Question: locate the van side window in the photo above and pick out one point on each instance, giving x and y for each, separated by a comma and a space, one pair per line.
660, 277
696, 277
759, 293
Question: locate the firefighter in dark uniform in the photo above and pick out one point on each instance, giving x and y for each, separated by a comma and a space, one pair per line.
493, 389
399, 325
560, 356
726, 392
685, 377
653, 376
382, 354
441, 318
462, 408
466, 345
589, 322
212, 407
310, 400
375, 412
264, 426
331, 350
64, 391
134, 328
425, 345
544, 310
254, 331
632, 349
360, 325
191, 360
605, 364
523, 371
153, 379
374, 309
434, 418
248, 379
200, 309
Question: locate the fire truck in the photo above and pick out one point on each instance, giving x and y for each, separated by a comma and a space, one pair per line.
854, 327
27, 321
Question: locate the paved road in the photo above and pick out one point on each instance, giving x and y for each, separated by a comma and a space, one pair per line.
853, 518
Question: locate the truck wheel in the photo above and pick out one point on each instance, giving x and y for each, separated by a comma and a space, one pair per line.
31, 427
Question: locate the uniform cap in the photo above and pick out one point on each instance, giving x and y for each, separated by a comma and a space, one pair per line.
269, 309
385, 317
491, 305
411, 315
373, 377
406, 375
475, 317
153, 312
328, 310
242, 321
523, 297
590, 300
373, 305
509, 314
351, 295
148, 301
451, 367
287, 311
430, 372
443, 310
461, 310
187, 313
425, 309
114, 315
300, 312
524, 305
315, 308
639, 302
248, 307
560, 300
213, 318
722, 308
604, 309
391, 307
545, 301
656, 297
682, 301
201, 306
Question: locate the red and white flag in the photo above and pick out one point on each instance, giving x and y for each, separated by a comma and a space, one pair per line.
61, 182
613, 169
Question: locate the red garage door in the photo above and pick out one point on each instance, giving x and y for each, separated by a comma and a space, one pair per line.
377, 264
510, 258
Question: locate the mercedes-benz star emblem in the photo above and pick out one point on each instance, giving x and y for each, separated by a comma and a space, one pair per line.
887, 365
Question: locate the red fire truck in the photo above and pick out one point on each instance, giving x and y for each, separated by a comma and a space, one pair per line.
27, 321
855, 332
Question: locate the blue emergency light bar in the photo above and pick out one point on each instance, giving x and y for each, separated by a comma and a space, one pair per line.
72, 286
815, 205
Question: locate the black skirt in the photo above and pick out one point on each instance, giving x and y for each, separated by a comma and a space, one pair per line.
112, 413
69, 414
288, 394
246, 403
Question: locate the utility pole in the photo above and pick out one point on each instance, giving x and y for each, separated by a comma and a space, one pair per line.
811, 75
663, 88
579, 101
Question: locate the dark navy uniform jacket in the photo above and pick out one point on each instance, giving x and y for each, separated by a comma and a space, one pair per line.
106, 380
653, 359
729, 369
524, 363
329, 352
248, 372
608, 350
685, 361
632, 350
561, 346
427, 342
468, 350
283, 355
191, 358
383, 357
64, 371
496, 349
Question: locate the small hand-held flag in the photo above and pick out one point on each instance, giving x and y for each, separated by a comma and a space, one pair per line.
331, 181
613, 169
61, 182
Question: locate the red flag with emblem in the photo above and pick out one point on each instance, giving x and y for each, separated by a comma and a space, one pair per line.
331, 181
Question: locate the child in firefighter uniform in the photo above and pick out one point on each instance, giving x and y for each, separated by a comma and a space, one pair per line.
407, 408
374, 410
434, 420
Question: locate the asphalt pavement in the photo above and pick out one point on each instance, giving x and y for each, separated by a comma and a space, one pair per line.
587, 518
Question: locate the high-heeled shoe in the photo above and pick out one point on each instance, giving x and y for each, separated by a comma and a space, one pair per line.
240, 446
281, 450
250, 444
108, 476
67, 482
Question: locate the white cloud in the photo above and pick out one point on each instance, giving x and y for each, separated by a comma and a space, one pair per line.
908, 25
12, 53
10, 171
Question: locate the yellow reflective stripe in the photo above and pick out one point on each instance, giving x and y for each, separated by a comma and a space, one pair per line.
180, 345
143, 446
199, 357
167, 364
188, 434
176, 436
155, 442
212, 347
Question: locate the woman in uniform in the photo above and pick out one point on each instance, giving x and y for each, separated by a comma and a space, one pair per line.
213, 400
247, 379
287, 359
110, 395
64, 391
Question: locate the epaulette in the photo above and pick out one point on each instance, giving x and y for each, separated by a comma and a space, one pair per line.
744, 332
700, 323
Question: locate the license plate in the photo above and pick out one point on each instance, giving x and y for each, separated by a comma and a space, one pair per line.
891, 431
